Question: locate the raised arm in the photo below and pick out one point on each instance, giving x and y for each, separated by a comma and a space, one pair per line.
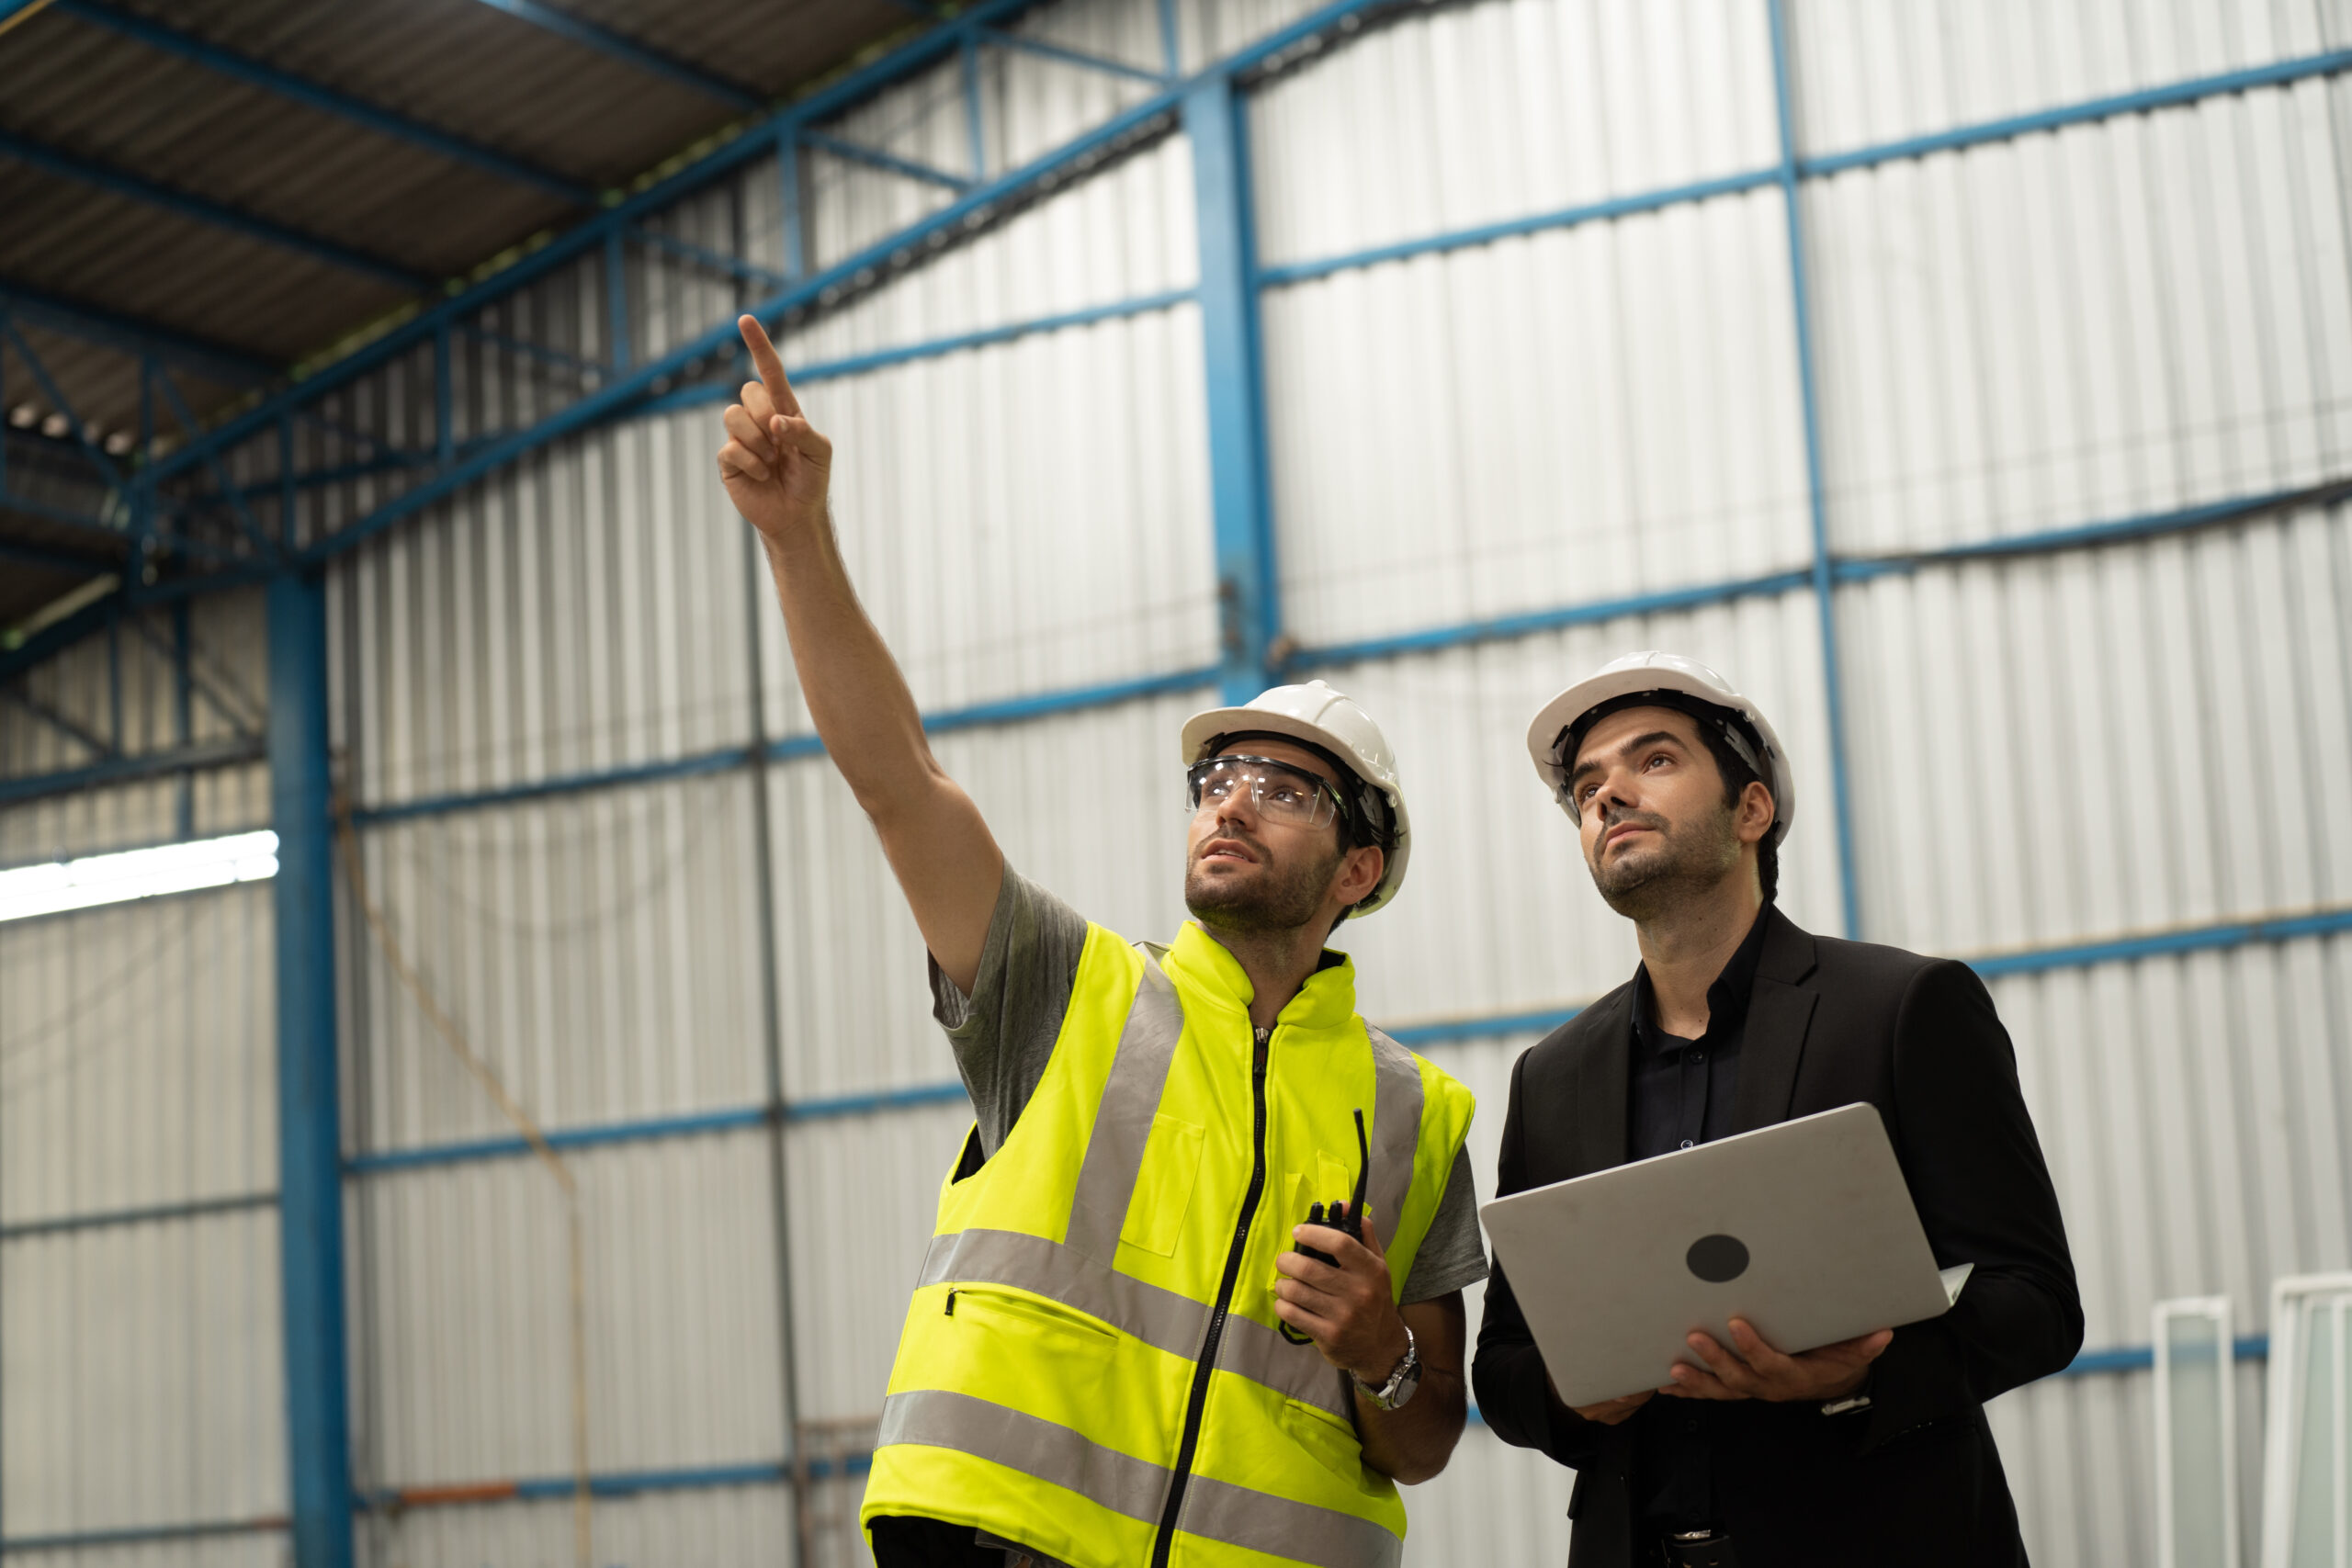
777, 468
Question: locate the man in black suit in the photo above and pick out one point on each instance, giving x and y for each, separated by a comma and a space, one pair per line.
1873, 1452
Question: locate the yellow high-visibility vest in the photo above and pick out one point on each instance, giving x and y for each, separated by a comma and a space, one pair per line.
1091, 1365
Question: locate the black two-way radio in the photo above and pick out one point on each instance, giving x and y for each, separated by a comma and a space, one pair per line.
1346, 1217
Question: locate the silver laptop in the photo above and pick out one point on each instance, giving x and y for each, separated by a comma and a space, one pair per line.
1805, 1229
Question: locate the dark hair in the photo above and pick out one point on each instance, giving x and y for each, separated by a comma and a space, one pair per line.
1713, 724
1737, 776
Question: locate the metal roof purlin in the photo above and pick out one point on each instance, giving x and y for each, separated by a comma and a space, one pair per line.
644, 57
129, 335
328, 100
1080, 154
138, 187
762, 138
758, 140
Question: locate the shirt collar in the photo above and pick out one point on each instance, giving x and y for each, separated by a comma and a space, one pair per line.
1328, 1000
1726, 998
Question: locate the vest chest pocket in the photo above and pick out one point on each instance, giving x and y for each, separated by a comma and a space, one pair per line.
1171, 1164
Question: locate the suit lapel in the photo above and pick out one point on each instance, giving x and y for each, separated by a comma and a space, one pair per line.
1779, 1012
1599, 1085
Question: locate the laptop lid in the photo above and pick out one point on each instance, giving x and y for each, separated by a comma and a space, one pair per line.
1805, 1229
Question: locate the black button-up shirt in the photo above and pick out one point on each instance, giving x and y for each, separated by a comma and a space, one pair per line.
1679, 1095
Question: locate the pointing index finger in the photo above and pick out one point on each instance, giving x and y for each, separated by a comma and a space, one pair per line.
771, 367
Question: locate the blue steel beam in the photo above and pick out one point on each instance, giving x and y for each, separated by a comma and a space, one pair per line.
1067, 56
1246, 586
2223, 937
2172, 94
140, 1535
708, 393
1850, 887
80, 734
889, 163
644, 57
84, 563
732, 266
150, 1214
110, 329
105, 466
138, 187
318, 1417
1513, 228
923, 51
328, 100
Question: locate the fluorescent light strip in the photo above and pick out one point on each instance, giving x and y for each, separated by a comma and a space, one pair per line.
137, 873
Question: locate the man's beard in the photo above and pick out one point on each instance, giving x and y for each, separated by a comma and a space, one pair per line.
1282, 900
1686, 861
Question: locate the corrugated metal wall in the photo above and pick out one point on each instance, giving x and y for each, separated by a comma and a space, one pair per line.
141, 1357
2115, 319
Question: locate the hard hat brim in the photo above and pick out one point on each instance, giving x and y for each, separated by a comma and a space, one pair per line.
1556, 715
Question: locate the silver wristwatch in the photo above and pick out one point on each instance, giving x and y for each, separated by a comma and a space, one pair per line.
1391, 1394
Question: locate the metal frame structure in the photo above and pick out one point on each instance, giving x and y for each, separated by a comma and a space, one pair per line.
164, 493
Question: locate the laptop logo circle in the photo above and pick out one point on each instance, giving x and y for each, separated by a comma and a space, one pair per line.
1717, 1259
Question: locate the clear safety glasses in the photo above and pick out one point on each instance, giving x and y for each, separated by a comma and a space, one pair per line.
1279, 791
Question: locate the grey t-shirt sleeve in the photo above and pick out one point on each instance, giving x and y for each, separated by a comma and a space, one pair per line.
1453, 1254
1003, 1034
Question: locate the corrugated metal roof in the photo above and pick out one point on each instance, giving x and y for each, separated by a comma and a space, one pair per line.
90, 96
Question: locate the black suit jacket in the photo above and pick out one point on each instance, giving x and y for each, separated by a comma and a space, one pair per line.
1914, 1479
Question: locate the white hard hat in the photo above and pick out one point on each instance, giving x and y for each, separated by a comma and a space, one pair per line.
1677, 682
1318, 715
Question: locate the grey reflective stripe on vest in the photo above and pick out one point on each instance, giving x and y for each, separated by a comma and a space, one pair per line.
1164, 1319
1080, 1272
1106, 1180
1215, 1510
1395, 1131
1159, 1316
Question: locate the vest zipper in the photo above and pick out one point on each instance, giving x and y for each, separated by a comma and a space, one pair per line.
1198, 1403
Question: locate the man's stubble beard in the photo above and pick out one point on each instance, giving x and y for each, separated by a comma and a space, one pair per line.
1281, 902
1689, 861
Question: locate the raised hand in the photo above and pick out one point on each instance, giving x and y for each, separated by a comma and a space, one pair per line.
774, 465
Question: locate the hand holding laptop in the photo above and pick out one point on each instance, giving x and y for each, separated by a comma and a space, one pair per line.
1750, 1369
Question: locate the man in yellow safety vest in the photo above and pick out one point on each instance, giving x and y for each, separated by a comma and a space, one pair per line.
1138, 1335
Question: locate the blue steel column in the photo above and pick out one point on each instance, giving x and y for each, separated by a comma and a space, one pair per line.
310, 1174
1248, 607
1823, 587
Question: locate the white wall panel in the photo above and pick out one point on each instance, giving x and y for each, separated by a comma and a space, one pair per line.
1121, 233
1090, 805
263, 1548
80, 687
2113, 320
2098, 742
731, 1526
599, 952
1577, 416
583, 610
1024, 517
1473, 114
2196, 1116
1873, 71
865, 1198
1498, 914
464, 1352
143, 1366
138, 1045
